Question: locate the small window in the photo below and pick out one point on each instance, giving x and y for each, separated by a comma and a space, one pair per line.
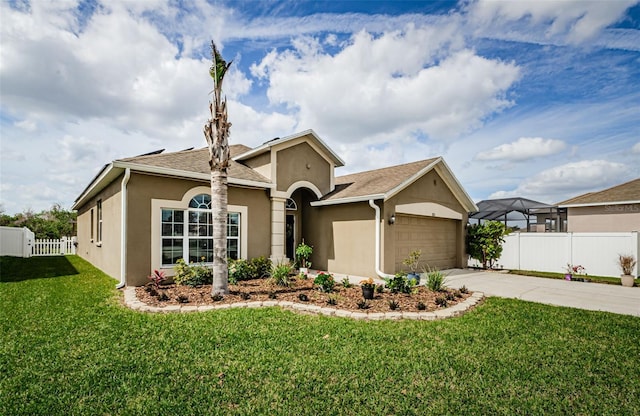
291, 205
99, 208
92, 226
202, 201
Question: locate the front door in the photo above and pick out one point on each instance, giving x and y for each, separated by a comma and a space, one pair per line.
291, 236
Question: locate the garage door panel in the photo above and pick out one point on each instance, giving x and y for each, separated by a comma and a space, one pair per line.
436, 237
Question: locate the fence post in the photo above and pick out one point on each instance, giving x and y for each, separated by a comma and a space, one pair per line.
63, 246
570, 246
636, 248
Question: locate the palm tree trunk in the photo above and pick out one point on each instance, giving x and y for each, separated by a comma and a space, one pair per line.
219, 212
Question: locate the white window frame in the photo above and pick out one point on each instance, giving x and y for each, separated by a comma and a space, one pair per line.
99, 213
156, 225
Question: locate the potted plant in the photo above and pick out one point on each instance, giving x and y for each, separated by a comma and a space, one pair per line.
626, 263
303, 253
571, 272
412, 262
368, 288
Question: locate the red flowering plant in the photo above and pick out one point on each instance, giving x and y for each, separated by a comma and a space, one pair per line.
572, 270
156, 278
325, 281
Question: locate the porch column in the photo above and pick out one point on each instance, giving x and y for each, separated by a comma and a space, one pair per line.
278, 254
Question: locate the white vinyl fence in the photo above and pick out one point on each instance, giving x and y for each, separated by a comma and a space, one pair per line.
551, 252
20, 242
16, 242
46, 247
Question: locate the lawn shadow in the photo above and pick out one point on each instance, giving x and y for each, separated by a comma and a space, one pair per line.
17, 269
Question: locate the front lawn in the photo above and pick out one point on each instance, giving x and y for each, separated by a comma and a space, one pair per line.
69, 347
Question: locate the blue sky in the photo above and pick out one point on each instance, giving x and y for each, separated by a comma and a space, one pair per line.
533, 99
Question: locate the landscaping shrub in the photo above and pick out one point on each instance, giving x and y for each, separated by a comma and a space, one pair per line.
240, 269
281, 274
436, 280
484, 242
325, 281
400, 284
194, 274
261, 266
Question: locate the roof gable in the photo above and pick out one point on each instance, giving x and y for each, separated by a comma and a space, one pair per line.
384, 183
624, 193
312, 138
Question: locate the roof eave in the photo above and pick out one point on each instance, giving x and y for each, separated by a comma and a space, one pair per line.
449, 178
115, 168
598, 204
106, 174
348, 200
263, 148
189, 175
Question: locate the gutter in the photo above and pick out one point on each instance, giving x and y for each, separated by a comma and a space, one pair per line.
123, 229
379, 272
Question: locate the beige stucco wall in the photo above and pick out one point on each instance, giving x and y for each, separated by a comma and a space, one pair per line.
429, 188
343, 238
302, 163
105, 255
605, 218
143, 188
261, 164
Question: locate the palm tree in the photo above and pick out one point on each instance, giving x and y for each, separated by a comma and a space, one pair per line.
216, 131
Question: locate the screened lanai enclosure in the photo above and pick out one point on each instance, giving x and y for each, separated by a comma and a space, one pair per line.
522, 214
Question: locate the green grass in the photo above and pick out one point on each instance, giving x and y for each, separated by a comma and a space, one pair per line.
550, 275
68, 347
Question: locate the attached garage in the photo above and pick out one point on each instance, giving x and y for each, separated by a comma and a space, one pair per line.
436, 237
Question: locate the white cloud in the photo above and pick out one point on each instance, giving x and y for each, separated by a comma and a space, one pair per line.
400, 82
572, 21
636, 148
570, 179
524, 148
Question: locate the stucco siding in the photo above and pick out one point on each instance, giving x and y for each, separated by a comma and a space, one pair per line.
145, 188
105, 254
605, 218
430, 188
343, 238
302, 163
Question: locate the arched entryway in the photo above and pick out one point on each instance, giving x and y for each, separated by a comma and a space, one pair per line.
296, 219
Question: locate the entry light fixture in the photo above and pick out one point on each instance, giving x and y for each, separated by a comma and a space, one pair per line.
392, 219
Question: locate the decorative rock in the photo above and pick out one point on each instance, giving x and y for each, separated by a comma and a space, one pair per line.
131, 300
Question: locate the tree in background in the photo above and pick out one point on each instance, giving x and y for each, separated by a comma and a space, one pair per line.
216, 131
54, 223
484, 242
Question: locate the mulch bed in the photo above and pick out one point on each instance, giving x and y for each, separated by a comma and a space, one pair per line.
264, 289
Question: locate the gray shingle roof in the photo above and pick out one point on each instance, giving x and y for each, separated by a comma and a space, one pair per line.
628, 191
375, 182
198, 161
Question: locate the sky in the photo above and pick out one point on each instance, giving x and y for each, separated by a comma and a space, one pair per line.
533, 99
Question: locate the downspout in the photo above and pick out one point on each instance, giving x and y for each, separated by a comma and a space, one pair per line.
379, 272
123, 229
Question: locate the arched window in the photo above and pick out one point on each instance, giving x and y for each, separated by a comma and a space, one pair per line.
291, 205
189, 234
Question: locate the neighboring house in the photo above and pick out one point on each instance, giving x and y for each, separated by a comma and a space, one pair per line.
146, 212
616, 209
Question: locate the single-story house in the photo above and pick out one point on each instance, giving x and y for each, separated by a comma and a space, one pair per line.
146, 212
615, 209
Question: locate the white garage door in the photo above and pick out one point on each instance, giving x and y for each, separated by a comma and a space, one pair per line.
436, 237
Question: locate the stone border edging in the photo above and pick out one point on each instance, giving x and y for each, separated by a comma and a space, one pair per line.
131, 300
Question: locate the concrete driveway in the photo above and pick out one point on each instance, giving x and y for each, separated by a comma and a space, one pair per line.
591, 296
